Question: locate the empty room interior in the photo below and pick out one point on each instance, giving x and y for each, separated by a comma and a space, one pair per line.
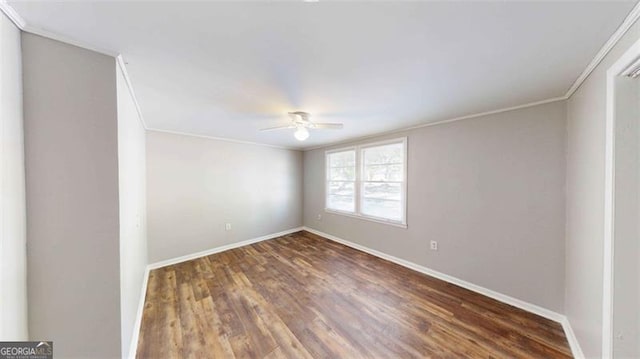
320, 179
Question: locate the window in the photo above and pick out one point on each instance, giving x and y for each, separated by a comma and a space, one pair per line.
368, 181
341, 181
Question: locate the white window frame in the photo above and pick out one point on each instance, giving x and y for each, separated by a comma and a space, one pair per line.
327, 180
359, 182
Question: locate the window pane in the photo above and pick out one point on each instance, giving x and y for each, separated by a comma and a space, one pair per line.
342, 174
386, 191
382, 208
342, 188
392, 153
383, 173
341, 203
342, 159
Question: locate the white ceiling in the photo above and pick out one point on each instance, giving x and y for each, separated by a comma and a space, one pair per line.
229, 69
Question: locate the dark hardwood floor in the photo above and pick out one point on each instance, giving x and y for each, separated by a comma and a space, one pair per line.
303, 296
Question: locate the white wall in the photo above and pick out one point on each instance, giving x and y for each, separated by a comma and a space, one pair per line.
13, 262
71, 151
490, 190
196, 185
133, 208
586, 115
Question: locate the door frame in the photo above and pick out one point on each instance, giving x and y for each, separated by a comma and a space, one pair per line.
628, 61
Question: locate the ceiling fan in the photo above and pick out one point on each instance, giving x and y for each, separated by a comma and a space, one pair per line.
301, 122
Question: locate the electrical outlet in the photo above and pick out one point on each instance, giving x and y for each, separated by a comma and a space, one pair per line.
227, 226
319, 217
434, 245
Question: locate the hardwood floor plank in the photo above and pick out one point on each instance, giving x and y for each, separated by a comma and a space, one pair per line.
193, 342
220, 346
303, 296
171, 330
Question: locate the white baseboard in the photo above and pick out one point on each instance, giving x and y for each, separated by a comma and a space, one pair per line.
227, 247
571, 338
133, 346
535, 309
136, 327
543, 312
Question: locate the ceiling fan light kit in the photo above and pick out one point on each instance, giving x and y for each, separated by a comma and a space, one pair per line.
301, 133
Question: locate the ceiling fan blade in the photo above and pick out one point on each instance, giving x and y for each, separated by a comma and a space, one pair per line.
328, 126
277, 128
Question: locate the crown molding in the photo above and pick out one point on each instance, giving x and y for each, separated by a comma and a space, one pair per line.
631, 18
224, 139
23, 25
64, 39
606, 48
12, 15
436, 123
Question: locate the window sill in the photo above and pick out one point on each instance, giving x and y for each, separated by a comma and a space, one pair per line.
366, 218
